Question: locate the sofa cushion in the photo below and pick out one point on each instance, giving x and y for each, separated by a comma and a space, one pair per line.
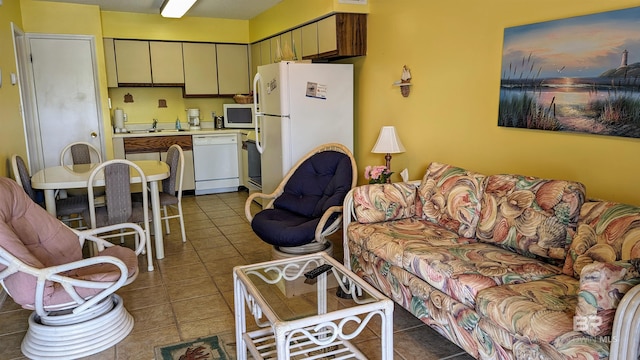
538, 310
602, 286
607, 232
384, 202
461, 271
388, 239
531, 216
450, 196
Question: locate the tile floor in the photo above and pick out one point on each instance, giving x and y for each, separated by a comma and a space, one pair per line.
191, 292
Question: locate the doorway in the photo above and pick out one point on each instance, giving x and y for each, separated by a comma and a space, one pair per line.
64, 95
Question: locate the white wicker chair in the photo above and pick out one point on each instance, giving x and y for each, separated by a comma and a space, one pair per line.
76, 312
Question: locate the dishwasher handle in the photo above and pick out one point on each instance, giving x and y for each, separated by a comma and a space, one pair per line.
215, 139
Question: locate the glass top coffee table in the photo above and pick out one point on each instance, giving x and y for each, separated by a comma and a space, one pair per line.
319, 323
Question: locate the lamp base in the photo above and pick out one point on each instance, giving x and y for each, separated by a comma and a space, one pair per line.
388, 164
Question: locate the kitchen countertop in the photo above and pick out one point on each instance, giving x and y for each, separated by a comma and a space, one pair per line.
173, 132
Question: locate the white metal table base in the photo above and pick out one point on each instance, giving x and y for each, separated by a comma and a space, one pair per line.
311, 337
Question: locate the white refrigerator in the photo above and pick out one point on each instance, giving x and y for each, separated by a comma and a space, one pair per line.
300, 106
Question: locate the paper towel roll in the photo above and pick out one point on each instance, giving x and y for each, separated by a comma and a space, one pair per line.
118, 118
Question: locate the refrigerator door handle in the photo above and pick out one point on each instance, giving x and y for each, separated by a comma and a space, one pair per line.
256, 81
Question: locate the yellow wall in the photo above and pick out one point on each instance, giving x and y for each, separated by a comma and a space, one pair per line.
292, 13
64, 18
155, 27
12, 139
454, 52
453, 49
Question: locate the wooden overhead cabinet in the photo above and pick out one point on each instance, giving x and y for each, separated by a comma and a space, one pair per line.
166, 63
200, 69
133, 62
342, 35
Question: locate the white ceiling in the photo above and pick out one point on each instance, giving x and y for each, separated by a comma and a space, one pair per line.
226, 9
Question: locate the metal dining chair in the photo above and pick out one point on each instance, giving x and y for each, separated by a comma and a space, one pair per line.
118, 205
171, 194
68, 210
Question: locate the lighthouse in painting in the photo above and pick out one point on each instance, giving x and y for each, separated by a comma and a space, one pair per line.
625, 54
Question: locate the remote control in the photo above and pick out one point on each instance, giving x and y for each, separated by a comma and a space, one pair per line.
312, 274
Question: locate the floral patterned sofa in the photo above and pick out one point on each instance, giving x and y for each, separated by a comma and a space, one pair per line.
505, 266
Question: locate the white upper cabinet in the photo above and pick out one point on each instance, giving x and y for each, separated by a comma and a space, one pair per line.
110, 63
166, 62
309, 34
133, 61
233, 69
200, 69
327, 35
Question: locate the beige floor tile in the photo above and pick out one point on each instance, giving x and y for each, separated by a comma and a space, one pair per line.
188, 256
224, 282
14, 321
229, 220
144, 297
224, 266
207, 326
200, 308
141, 345
10, 348
152, 317
219, 253
197, 287
145, 279
202, 233
233, 229
209, 242
181, 273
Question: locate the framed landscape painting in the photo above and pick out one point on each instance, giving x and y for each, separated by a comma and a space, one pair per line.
579, 74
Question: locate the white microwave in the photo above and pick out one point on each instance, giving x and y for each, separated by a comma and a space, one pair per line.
239, 116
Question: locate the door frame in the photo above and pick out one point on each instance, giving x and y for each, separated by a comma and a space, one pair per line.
31, 119
25, 88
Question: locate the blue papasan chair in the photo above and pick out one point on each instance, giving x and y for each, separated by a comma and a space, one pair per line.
307, 205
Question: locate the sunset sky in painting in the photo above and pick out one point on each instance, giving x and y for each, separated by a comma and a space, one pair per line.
582, 46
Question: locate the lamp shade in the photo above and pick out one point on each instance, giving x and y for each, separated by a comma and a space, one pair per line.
388, 142
175, 8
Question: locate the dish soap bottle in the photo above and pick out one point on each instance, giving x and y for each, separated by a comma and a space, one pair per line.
178, 125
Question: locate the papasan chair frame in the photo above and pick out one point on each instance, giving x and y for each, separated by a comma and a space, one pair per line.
331, 219
76, 312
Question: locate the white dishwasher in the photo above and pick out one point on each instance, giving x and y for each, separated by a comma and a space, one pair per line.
215, 163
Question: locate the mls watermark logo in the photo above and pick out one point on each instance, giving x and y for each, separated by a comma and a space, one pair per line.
589, 323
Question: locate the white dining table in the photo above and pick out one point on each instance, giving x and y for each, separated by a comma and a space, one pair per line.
76, 177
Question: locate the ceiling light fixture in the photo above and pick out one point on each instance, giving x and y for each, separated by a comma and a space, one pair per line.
175, 8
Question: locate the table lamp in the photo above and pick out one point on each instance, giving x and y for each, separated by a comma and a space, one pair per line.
388, 142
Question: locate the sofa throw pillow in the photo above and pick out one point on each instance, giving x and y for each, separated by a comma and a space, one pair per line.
531, 216
602, 286
450, 196
607, 232
383, 202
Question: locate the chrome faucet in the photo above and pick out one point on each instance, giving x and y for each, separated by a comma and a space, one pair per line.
155, 124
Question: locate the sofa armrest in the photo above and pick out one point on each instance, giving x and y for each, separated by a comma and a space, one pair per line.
351, 215
625, 335
602, 287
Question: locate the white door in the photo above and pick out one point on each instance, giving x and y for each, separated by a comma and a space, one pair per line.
66, 95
